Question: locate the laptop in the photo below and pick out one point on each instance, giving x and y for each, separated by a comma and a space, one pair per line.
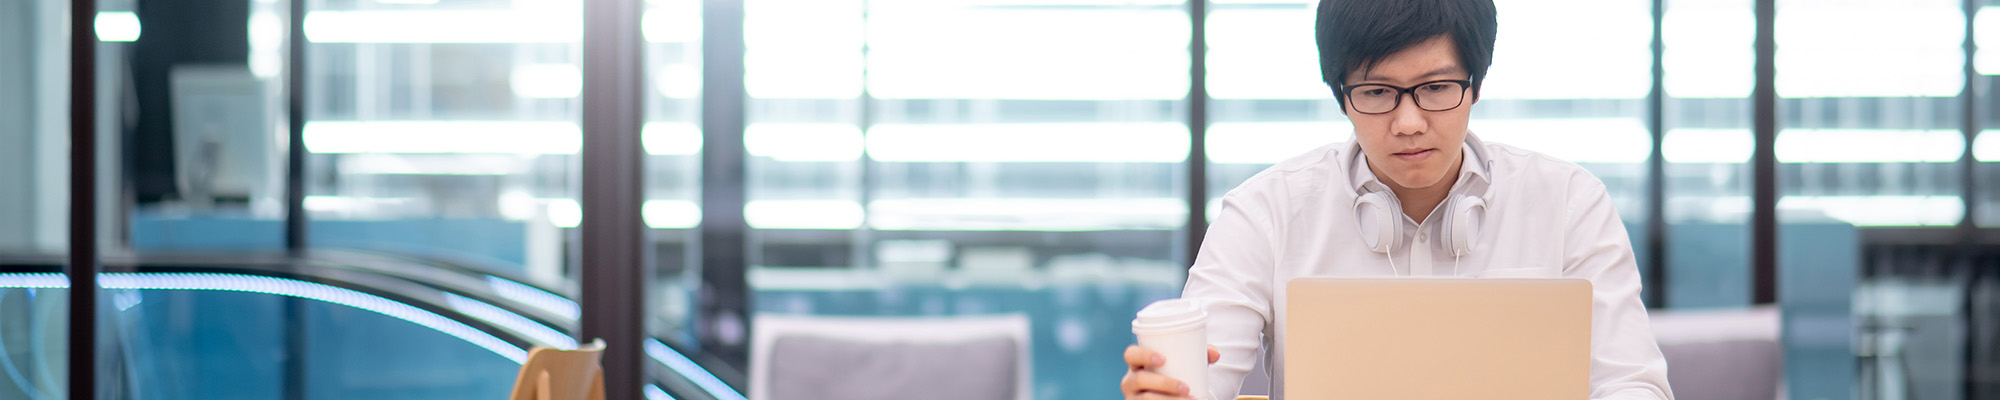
1437, 338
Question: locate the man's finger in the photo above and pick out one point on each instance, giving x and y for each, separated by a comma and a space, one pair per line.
1148, 381
1139, 357
1213, 355
1128, 386
1157, 396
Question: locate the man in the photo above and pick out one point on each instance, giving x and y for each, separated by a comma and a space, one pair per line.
1407, 74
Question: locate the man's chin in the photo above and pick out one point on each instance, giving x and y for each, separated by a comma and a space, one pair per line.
1420, 182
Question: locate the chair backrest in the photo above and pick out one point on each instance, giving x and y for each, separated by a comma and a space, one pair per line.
834, 358
1723, 354
553, 374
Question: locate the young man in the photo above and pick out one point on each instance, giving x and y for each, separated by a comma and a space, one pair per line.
1407, 73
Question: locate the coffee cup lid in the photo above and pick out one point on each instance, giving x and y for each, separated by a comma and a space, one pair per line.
1170, 314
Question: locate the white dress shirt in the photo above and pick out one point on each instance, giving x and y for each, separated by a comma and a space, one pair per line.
1545, 218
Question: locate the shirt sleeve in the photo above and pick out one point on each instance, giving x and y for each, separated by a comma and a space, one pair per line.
1231, 278
1625, 359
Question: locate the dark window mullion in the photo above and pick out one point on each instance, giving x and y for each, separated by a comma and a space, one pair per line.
724, 242
83, 263
614, 266
1764, 198
1656, 177
1197, 160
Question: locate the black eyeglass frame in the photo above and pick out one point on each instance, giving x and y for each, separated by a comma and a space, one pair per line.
1464, 86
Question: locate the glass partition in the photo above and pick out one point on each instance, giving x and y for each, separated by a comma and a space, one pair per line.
446, 129
201, 133
34, 195
673, 140
34, 128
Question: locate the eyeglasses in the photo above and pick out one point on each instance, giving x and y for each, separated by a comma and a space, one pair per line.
1376, 98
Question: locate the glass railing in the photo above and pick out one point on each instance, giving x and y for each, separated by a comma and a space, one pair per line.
333, 325
34, 326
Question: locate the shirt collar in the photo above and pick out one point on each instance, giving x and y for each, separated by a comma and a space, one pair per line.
1475, 168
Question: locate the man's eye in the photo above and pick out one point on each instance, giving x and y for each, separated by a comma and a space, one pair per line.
1374, 92
1436, 87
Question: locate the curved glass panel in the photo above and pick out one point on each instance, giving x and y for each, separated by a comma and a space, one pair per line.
171, 334
34, 337
207, 335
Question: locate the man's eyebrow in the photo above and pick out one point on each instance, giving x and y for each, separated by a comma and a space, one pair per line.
1444, 70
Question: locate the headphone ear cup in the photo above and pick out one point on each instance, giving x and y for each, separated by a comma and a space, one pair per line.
1374, 216
1468, 213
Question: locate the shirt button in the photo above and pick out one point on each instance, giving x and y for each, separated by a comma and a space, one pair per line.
1422, 237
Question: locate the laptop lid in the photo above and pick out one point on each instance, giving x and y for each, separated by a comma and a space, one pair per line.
1424, 338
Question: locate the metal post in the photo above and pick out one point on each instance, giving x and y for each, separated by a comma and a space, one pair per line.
1764, 215
1656, 175
83, 264
295, 117
1969, 126
295, 193
1197, 161
725, 322
1968, 228
614, 271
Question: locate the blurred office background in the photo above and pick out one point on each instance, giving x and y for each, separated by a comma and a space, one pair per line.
1034, 171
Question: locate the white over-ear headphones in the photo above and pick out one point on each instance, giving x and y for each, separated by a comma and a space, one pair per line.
1468, 212
1375, 214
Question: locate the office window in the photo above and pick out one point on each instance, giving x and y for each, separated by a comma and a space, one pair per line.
672, 139
1869, 119
446, 129
1589, 108
913, 158
1266, 102
1869, 135
1709, 60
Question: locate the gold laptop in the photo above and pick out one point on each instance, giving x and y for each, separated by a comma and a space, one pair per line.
1437, 339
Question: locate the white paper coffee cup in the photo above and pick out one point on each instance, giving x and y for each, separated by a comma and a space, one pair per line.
1178, 330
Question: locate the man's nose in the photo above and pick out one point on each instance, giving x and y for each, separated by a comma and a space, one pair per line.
1407, 118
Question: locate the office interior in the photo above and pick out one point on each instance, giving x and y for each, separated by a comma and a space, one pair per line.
397, 199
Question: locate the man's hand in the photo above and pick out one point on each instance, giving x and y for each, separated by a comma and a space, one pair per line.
1143, 381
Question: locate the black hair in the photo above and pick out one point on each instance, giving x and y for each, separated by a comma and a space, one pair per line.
1353, 34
